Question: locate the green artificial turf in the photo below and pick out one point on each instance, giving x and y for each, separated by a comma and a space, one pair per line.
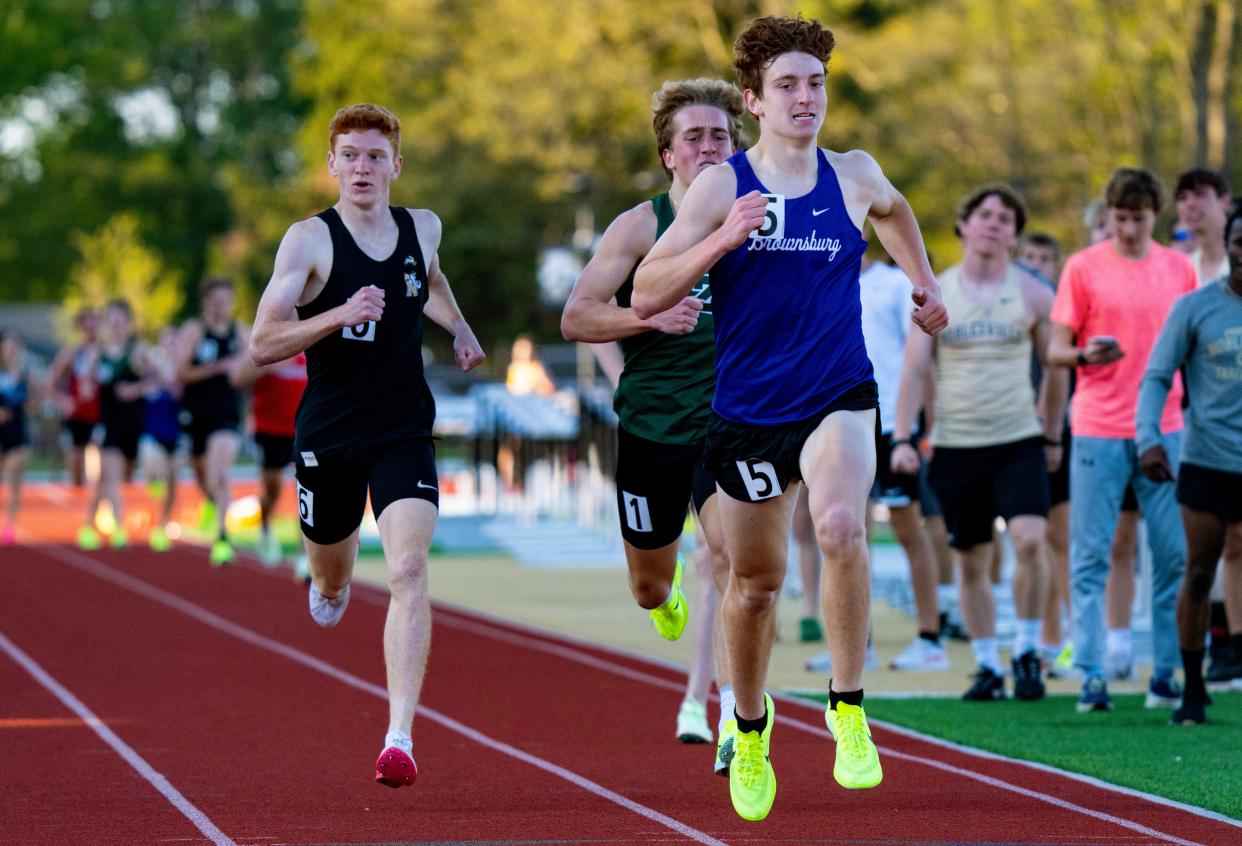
1129, 746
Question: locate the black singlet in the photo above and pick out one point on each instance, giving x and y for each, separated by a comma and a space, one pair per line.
213, 398
365, 383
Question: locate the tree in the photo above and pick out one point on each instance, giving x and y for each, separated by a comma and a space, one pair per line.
114, 262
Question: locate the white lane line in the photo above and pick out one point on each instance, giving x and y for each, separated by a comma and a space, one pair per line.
90, 565
156, 780
464, 621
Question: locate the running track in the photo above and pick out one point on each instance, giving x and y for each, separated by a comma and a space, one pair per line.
152, 699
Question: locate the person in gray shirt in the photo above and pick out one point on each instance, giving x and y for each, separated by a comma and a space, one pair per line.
1203, 334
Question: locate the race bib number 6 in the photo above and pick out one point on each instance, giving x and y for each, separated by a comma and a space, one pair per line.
774, 218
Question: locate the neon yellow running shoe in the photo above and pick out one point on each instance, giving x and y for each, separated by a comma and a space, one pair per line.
670, 618
221, 553
88, 539
858, 763
752, 781
159, 540
208, 517
724, 748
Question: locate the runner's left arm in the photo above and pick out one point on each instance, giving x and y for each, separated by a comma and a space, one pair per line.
898, 230
1054, 387
442, 308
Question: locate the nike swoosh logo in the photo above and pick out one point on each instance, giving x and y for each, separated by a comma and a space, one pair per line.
818, 212
427, 487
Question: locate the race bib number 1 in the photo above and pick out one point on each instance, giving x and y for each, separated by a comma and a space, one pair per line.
774, 220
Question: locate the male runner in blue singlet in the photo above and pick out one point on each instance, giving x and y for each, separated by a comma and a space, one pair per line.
779, 227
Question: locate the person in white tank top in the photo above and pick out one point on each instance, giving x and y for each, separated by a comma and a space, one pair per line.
992, 444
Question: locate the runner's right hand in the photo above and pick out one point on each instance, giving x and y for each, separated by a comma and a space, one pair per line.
746, 215
678, 320
366, 304
904, 460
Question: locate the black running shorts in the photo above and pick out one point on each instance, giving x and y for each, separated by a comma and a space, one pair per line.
200, 430
754, 463
1210, 491
332, 491
655, 483
1058, 482
975, 485
123, 435
275, 451
80, 431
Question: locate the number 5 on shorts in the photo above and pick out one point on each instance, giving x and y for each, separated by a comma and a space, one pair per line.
759, 477
306, 505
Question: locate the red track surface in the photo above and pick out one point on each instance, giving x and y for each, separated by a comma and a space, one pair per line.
268, 727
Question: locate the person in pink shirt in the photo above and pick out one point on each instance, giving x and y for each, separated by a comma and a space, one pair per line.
1110, 307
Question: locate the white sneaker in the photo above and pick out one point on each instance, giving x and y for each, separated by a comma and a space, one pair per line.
692, 722
270, 552
921, 654
328, 612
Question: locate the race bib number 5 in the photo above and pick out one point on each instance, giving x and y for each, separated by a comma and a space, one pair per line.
774, 218
760, 480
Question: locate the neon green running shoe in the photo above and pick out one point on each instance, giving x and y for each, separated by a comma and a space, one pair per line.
752, 781
724, 748
159, 540
119, 539
670, 618
208, 517
221, 553
88, 539
858, 763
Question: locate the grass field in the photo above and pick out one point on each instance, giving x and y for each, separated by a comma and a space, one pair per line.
1130, 746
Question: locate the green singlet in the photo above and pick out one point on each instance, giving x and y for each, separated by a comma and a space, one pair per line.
666, 389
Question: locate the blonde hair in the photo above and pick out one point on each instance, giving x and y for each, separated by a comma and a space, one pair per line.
703, 91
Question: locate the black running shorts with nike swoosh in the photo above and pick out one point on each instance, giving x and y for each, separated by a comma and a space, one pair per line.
332, 489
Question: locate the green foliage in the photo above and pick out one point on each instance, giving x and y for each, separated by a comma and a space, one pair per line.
115, 263
521, 120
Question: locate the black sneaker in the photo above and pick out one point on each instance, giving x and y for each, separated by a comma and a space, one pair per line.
1224, 670
1027, 682
1192, 712
985, 686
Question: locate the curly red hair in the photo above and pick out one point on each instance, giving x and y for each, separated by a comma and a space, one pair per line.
364, 116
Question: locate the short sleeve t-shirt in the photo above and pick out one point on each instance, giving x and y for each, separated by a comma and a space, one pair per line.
1103, 293
886, 308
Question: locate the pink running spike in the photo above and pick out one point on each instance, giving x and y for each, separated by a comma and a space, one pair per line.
8, 537
395, 768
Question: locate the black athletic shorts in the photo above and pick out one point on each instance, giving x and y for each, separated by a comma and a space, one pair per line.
754, 463
975, 485
200, 430
13, 436
332, 492
928, 503
1129, 502
123, 434
276, 451
80, 431
896, 490
1210, 491
655, 483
